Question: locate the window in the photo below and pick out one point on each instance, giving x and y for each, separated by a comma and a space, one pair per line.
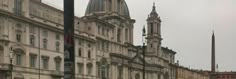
80, 68
103, 71
45, 62
126, 34
103, 45
232, 77
32, 40
57, 36
118, 6
107, 33
110, 5
79, 52
45, 33
89, 45
89, 54
45, 42
98, 29
80, 42
89, 28
107, 46
89, 68
57, 46
18, 37
33, 60
120, 72
18, 59
103, 31
98, 70
18, 7
58, 65
151, 25
118, 35
32, 30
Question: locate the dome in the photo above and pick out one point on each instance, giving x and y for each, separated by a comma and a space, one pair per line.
98, 6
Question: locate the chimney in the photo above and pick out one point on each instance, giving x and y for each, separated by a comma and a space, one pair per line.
213, 53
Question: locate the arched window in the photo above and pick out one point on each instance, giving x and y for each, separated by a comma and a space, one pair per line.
103, 71
89, 54
32, 40
18, 33
18, 36
79, 52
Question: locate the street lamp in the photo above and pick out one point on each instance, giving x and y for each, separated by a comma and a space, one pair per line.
144, 40
11, 65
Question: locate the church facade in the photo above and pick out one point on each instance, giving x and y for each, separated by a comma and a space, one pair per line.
33, 32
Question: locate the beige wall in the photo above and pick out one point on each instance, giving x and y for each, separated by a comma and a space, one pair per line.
185, 73
45, 18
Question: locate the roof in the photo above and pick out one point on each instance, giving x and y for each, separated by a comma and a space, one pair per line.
98, 6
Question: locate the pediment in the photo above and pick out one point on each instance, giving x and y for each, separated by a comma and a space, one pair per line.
137, 59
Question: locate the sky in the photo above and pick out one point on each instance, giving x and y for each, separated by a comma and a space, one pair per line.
187, 27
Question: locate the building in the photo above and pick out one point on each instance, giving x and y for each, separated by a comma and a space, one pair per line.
225, 75
33, 32
187, 73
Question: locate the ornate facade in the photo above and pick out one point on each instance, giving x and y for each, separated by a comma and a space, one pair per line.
103, 42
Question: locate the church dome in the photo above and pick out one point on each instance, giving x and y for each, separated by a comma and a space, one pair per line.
99, 6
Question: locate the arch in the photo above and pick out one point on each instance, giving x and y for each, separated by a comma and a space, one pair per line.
166, 75
18, 48
103, 61
137, 76
18, 51
89, 68
57, 58
19, 76
104, 68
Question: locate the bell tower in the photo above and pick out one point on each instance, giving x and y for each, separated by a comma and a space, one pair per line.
154, 33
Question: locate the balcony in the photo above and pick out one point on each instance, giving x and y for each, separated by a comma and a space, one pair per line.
57, 73
4, 67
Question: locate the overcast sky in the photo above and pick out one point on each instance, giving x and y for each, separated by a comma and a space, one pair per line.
187, 27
